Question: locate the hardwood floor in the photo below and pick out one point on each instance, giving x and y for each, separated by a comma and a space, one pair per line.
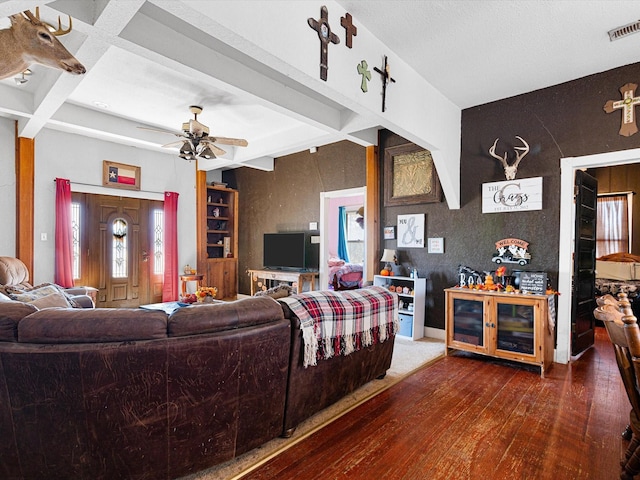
471, 417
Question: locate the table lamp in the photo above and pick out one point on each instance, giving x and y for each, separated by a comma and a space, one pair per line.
388, 256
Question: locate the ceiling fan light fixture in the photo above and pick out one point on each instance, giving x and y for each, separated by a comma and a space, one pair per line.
186, 149
207, 153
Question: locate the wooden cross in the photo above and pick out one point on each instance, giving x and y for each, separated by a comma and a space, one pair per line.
350, 29
326, 36
386, 78
366, 75
628, 126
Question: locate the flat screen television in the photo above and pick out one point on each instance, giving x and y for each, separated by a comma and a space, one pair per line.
289, 251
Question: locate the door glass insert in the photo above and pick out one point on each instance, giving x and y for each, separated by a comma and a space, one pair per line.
119, 249
515, 328
468, 321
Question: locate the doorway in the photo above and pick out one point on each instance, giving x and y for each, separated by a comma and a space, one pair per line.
356, 194
116, 254
568, 167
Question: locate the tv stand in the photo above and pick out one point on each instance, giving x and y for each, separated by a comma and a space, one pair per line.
298, 279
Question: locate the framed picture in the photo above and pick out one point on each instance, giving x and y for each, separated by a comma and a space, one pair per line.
119, 175
410, 176
411, 231
389, 233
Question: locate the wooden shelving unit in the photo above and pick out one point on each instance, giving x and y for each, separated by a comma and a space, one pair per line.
217, 246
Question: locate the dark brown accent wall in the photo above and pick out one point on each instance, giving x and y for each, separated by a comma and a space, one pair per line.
288, 198
565, 120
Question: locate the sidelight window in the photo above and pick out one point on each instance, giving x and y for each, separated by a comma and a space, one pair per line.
158, 241
75, 238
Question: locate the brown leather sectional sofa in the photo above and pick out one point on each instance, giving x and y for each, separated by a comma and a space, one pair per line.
129, 393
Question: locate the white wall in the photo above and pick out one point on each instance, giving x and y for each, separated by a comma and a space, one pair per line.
7, 188
79, 159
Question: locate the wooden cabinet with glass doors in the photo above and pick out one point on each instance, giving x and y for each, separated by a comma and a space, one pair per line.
504, 325
217, 246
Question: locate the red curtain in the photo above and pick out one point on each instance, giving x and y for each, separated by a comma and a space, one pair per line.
64, 234
170, 287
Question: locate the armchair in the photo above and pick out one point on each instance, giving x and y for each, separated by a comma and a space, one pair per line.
14, 273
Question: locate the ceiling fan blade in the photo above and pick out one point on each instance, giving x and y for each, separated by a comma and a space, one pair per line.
217, 150
170, 132
173, 144
236, 142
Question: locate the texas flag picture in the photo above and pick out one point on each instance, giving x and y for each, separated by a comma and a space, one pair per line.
120, 175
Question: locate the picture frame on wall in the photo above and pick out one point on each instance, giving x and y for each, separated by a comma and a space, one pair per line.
389, 233
411, 230
120, 175
410, 176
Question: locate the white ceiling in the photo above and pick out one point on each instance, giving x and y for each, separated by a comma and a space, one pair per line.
472, 51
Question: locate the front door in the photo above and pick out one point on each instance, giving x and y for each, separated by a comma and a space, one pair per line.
119, 260
584, 263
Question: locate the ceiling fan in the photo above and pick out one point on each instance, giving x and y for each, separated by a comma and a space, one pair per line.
196, 142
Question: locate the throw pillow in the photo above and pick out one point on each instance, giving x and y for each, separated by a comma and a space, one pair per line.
50, 301
280, 291
38, 292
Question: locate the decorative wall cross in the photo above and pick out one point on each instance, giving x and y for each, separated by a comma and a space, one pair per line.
350, 29
326, 36
366, 75
628, 103
386, 78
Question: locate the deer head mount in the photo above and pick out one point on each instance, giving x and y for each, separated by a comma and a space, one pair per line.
510, 170
30, 40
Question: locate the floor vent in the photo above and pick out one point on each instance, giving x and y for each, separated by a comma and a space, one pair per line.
620, 32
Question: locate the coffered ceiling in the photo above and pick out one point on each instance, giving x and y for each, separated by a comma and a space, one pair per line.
147, 61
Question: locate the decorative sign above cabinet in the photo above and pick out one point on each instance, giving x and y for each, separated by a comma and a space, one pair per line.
512, 195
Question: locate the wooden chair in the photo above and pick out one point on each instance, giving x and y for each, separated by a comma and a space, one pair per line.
623, 330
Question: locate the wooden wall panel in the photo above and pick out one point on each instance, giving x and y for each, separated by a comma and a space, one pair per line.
25, 170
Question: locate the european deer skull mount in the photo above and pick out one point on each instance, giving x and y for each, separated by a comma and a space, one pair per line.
510, 170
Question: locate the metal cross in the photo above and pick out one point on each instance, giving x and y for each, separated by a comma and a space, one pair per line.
628, 126
326, 36
350, 29
366, 75
386, 78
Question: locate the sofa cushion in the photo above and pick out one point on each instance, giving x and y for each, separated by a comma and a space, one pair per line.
92, 325
210, 318
11, 313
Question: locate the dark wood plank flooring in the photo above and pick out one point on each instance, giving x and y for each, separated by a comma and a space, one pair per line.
472, 417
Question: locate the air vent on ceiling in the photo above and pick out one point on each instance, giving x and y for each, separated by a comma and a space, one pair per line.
620, 32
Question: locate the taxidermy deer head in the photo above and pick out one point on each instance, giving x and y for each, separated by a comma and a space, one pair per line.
510, 170
29, 41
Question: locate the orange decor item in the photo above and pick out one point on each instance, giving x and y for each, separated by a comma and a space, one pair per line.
384, 272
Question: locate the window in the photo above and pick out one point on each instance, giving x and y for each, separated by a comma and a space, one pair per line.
120, 257
158, 241
614, 224
75, 232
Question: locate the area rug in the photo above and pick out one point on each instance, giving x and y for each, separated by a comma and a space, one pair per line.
408, 356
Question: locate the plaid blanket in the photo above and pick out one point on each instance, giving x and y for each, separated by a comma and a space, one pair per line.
339, 323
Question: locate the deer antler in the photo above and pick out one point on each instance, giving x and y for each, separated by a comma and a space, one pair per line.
57, 32
492, 152
524, 150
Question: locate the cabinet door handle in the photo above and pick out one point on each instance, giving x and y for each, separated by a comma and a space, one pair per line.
493, 325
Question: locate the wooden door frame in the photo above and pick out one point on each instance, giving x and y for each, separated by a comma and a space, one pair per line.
568, 167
